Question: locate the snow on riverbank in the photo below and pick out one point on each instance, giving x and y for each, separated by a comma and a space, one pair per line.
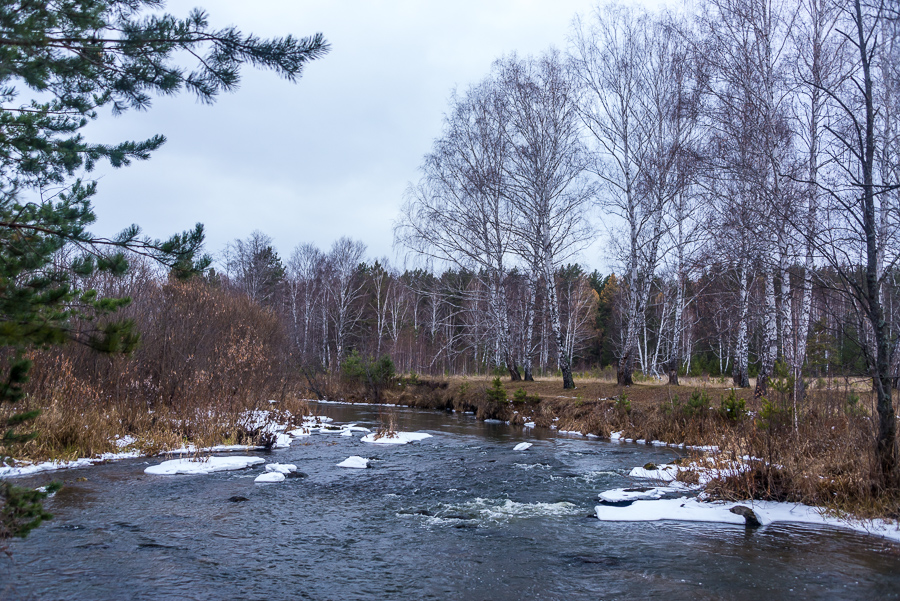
28, 468
642, 504
204, 465
395, 437
767, 512
260, 419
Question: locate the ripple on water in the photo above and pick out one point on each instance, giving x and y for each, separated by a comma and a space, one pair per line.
491, 512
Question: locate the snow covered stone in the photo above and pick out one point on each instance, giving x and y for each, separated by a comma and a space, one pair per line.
395, 438
522, 446
354, 461
270, 477
205, 465
281, 468
618, 495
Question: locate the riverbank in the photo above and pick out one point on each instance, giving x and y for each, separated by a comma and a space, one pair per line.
824, 457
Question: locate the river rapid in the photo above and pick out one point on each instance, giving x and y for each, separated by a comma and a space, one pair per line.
460, 515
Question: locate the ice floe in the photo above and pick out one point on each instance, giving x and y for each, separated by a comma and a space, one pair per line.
354, 461
394, 437
522, 446
204, 465
270, 477
619, 495
281, 468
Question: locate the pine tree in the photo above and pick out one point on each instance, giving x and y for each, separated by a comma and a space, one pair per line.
70, 59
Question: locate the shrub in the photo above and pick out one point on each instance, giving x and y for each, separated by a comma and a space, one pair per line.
733, 408
697, 405
623, 404
373, 374
496, 392
769, 415
520, 396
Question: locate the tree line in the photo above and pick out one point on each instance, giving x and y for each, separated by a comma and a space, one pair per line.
743, 157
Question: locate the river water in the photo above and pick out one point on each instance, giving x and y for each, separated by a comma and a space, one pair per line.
456, 516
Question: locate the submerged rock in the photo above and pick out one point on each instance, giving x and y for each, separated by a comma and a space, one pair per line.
238, 499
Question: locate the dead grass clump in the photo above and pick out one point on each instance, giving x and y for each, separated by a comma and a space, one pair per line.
206, 358
828, 461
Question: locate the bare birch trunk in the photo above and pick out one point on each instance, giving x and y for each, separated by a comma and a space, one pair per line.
770, 342
741, 372
553, 305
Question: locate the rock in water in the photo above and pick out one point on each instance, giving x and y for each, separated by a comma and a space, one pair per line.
747, 513
355, 461
238, 499
522, 446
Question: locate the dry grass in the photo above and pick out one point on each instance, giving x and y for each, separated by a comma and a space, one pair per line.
206, 359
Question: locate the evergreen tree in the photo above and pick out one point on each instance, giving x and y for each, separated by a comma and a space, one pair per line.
67, 60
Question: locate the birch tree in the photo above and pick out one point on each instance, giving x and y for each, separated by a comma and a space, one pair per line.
546, 170
459, 212
344, 284
610, 55
304, 270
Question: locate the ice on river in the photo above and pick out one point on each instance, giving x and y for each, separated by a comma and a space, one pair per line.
618, 495
270, 477
522, 446
354, 461
395, 437
281, 468
204, 465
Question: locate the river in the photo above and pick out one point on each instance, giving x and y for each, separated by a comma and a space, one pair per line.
459, 515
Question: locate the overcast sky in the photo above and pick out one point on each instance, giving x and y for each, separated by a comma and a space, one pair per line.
331, 155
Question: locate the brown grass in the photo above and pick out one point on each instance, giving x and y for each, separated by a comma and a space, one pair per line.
206, 358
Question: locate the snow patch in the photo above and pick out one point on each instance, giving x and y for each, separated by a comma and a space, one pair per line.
205, 465
281, 468
618, 495
124, 441
767, 512
354, 461
395, 438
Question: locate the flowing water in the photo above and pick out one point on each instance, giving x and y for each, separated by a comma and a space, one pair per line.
456, 516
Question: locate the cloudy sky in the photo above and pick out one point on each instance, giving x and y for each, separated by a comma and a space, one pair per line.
331, 155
